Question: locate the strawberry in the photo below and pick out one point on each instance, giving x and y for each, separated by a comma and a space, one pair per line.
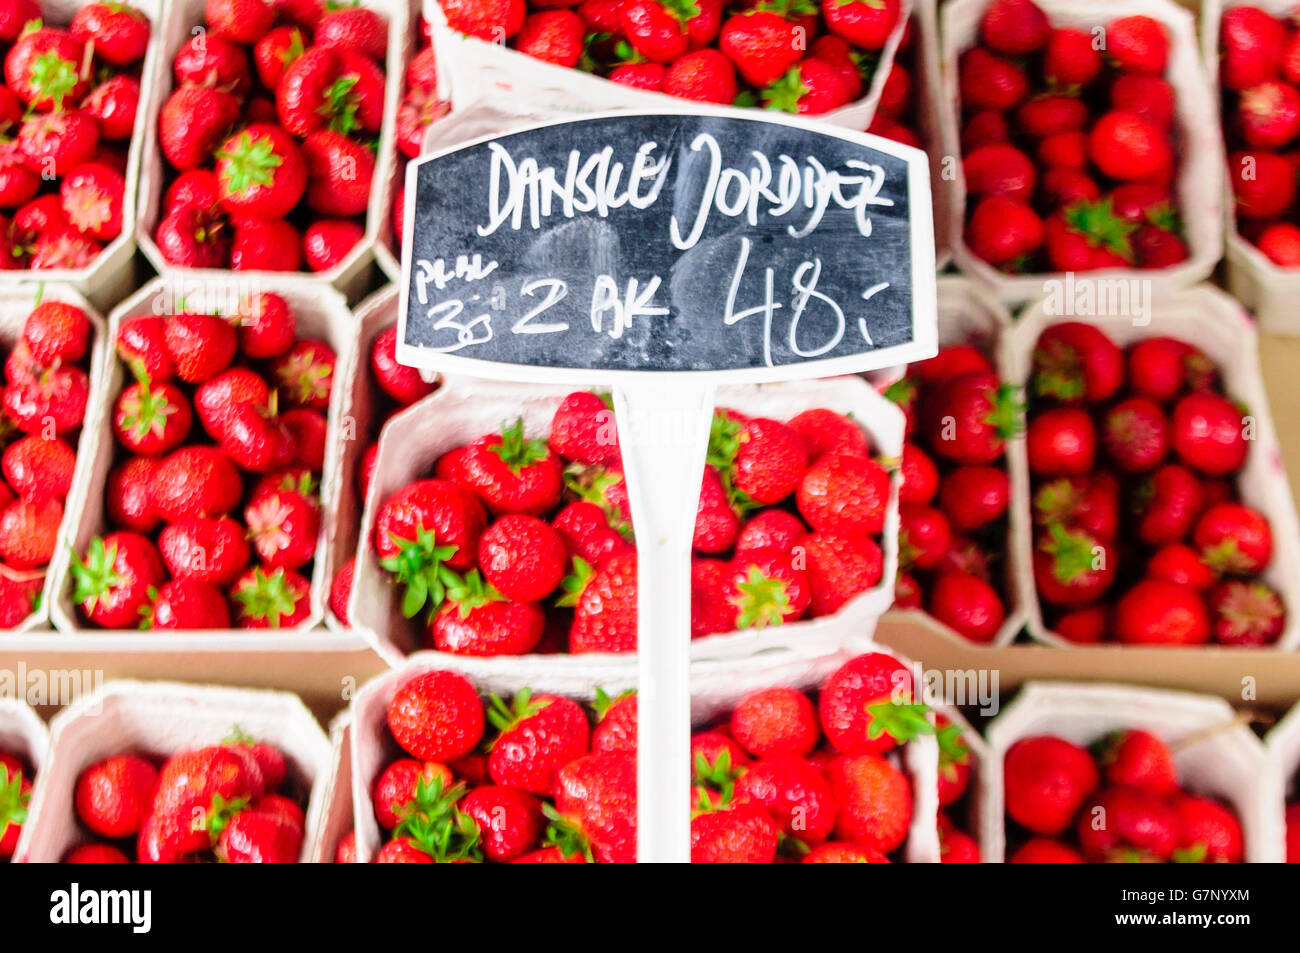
1263, 184
39, 470
967, 418
1245, 613
358, 29
1138, 44
56, 331
195, 481
187, 605
553, 36
341, 590
436, 716
522, 557
305, 373
1137, 826
1181, 564
923, 536
974, 496
261, 172
1014, 27
1050, 113
1208, 831
1070, 58
1137, 759
1149, 97
1135, 434
244, 21
491, 20
990, 82
403, 850
270, 599
740, 834
539, 734
339, 174
262, 245
95, 854
841, 492
267, 327
1001, 230
423, 529
207, 550
193, 122
57, 143
327, 88
704, 76
875, 801
217, 398
112, 584
864, 23
769, 461
605, 607
1161, 613
419, 109
1208, 433
1167, 504
616, 727
128, 496
866, 706
986, 126
509, 821
151, 420
325, 244
1000, 169
29, 532
1160, 367
583, 428
44, 68
114, 796
257, 439
657, 30
1269, 114
762, 44
1127, 147
955, 846
274, 52
257, 836
92, 200
1233, 539
840, 567
710, 612
15, 794
399, 785
766, 587
283, 527
475, 619
1253, 43
598, 793
811, 87
1044, 850
1072, 567
648, 76
824, 431
955, 763
794, 793
57, 398
968, 604
1087, 236
194, 238
1046, 779
211, 62
15, 15
842, 853
513, 474
775, 721
1074, 361
201, 346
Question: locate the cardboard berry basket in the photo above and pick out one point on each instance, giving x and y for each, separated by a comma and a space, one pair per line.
1221, 328
1198, 187
472, 69
1216, 754
716, 688
115, 272
373, 746
23, 733
16, 302
159, 719
463, 410
336, 801
1253, 279
927, 106
354, 273
320, 313
970, 314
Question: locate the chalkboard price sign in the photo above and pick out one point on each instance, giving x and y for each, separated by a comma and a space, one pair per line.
742, 247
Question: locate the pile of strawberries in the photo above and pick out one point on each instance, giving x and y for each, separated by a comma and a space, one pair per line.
530, 780
396, 387
231, 802
1259, 70
200, 529
786, 776
419, 109
42, 405
1138, 532
1121, 802
765, 483
67, 111
274, 164
508, 522
803, 57
952, 521
1069, 149
15, 792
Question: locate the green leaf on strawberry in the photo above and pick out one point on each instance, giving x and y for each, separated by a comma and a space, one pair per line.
761, 601
515, 451
564, 835
902, 721
250, 162
420, 566
269, 597
13, 801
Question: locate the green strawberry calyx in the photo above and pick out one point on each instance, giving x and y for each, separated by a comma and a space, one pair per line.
420, 566
268, 597
1072, 553
604, 701
13, 800
592, 484
1056, 501
565, 835
96, 577
719, 776
953, 751
576, 582
902, 721
249, 162
683, 10
435, 824
1058, 372
1099, 224
220, 813
785, 93
760, 601
52, 77
471, 592
340, 106
516, 451
146, 412
1226, 557
506, 715
1007, 415
902, 392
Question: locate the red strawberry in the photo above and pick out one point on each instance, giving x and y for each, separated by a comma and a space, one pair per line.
1138, 759
523, 557
261, 172
114, 796
1014, 27
1253, 43
207, 550
553, 36
923, 536
267, 327
187, 605
476, 620
986, 126
325, 244
1234, 539
1043, 850
1268, 115
841, 492
211, 62
649, 76
598, 792
1138, 44
201, 346
864, 23
1070, 59
151, 420
120, 33
974, 496
1162, 613
511, 473
1136, 434
539, 734
874, 799
866, 706
327, 88
710, 612
775, 721
761, 43
193, 122
283, 527
39, 470
990, 82
967, 418
44, 67
1046, 780
112, 584
339, 174
1137, 826
15, 15
1074, 361
1246, 613
1160, 367
29, 532
1264, 184
1181, 564
1168, 504
278, 49
244, 21
265, 599
306, 373
491, 20
794, 793
56, 398
128, 495
1208, 433
217, 398
968, 604
1149, 97
583, 429
766, 588
1052, 113
1208, 831
1127, 147
840, 567
1000, 169
1072, 567
399, 785
195, 481
358, 29
744, 833
510, 821
56, 331
262, 245
194, 238
258, 836
1001, 230
605, 610
616, 728
955, 762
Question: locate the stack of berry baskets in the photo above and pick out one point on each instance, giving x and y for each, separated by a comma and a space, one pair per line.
117, 757
956, 513
43, 488
372, 388
1247, 48
1076, 182
1120, 773
235, 381
1159, 508
420, 715
318, 217
747, 58
334, 834
87, 139
831, 561
788, 759
23, 747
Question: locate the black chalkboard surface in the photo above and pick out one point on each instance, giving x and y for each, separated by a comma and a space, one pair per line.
746, 246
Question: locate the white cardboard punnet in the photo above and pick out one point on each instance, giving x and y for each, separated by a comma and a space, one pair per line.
160, 719
1212, 321
336, 801
353, 274
320, 313
474, 69
1198, 146
17, 301
1215, 753
23, 733
114, 273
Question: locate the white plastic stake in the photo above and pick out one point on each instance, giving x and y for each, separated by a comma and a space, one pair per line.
664, 433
